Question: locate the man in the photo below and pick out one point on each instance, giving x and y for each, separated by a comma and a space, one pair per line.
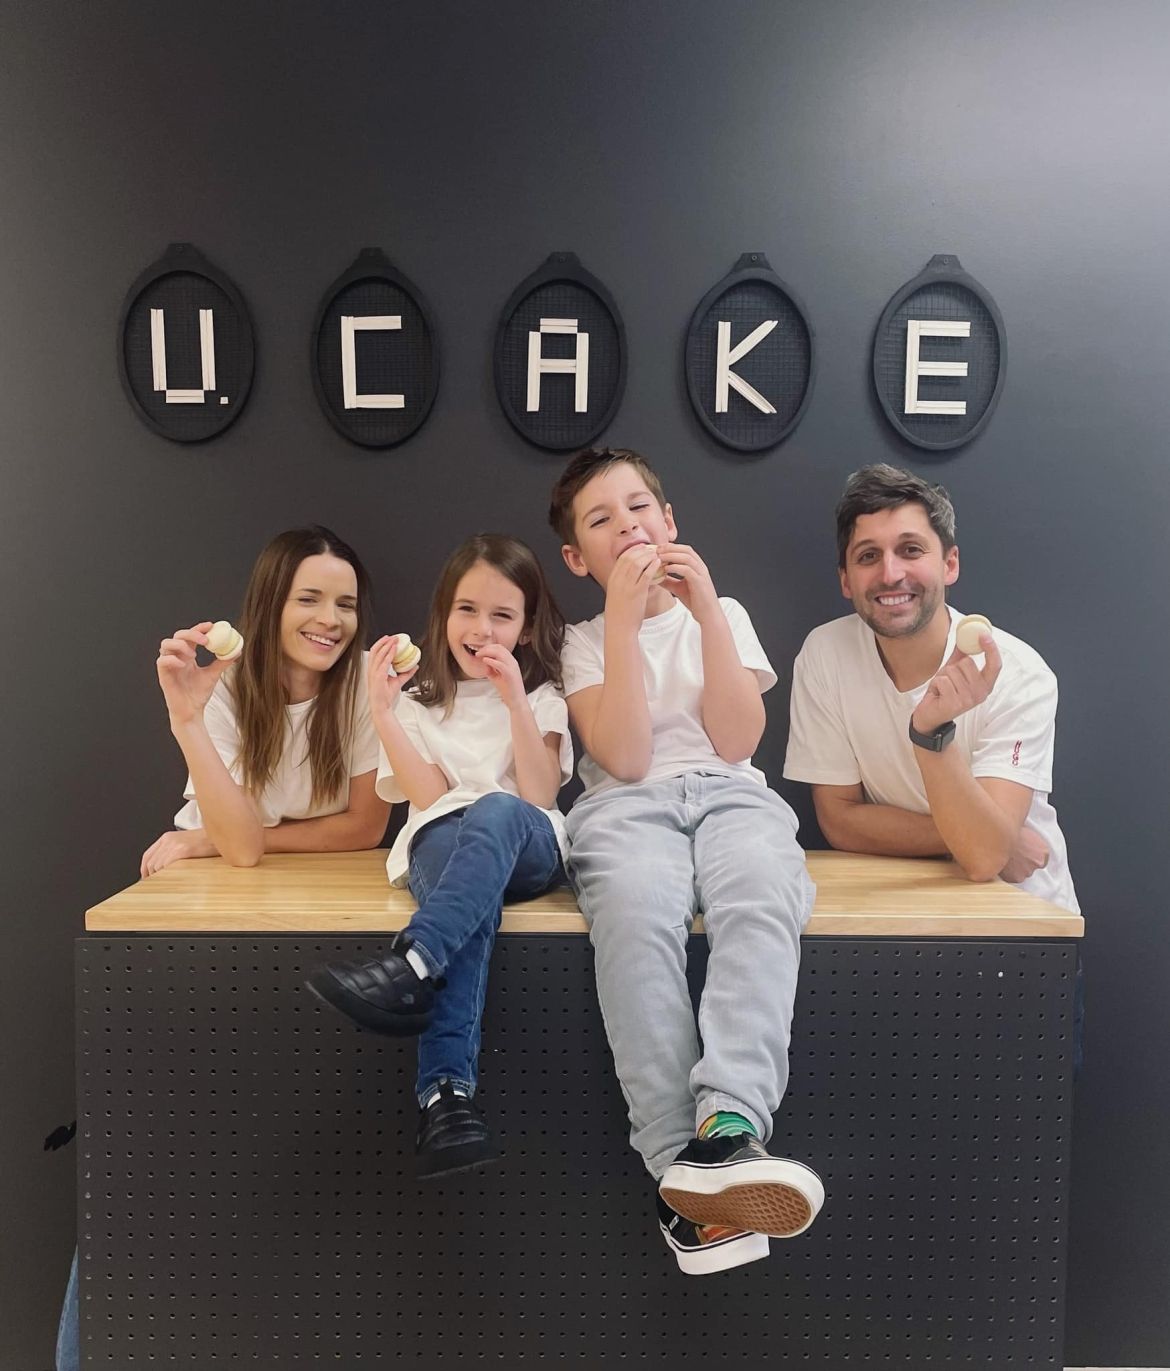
912, 747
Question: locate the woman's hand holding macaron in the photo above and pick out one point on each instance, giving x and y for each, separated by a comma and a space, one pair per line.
187, 686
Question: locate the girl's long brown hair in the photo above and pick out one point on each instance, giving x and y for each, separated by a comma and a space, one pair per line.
257, 682
539, 658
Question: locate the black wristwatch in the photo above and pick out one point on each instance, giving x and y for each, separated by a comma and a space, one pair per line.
934, 741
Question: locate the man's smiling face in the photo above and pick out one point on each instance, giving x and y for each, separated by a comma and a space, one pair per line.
896, 572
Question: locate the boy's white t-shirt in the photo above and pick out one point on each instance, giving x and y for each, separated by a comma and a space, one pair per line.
289, 792
850, 725
672, 661
472, 746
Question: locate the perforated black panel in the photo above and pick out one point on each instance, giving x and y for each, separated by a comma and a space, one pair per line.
980, 351
561, 289
779, 366
402, 361
181, 294
246, 1195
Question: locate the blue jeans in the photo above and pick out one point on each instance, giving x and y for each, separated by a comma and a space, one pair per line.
69, 1333
462, 869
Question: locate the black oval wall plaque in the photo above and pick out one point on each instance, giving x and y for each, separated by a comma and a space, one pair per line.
185, 348
940, 356
375, 357
560, 358
750, 357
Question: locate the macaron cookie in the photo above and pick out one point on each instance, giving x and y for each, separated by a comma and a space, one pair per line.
406, 654
224, 641
969, 630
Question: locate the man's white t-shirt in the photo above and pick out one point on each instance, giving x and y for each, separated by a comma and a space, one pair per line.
289, 792
850, 725
472, 747
672, 663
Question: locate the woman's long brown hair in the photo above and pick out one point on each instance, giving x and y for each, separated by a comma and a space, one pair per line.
539, 658
257, 682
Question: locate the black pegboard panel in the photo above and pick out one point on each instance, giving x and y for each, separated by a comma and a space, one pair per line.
246, 1194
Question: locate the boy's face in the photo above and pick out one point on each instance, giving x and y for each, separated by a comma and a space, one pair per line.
896, 572
612, 512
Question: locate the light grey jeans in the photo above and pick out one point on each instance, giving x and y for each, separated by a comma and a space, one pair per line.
644, 859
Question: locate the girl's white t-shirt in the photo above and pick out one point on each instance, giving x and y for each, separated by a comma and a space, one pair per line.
472, 746
289, 792
850, 725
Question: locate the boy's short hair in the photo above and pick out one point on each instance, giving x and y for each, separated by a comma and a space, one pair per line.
582, 468
882, 486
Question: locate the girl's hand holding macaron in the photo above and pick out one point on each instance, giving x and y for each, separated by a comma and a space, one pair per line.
394, 659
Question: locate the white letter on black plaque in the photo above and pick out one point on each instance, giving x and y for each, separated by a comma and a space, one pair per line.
726, 358
158, 358
916, 330
350, 323
578, 365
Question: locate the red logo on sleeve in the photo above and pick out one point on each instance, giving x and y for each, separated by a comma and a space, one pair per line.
1016, 752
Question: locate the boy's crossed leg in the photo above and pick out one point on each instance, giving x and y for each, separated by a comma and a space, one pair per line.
642, 863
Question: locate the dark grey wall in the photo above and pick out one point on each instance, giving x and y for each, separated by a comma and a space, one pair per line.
658, 141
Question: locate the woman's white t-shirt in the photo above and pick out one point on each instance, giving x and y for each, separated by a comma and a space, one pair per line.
289, 792
472, 747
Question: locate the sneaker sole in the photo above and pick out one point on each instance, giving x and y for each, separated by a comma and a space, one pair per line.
718, 1256
357, 1011
454, 1161
780, 1198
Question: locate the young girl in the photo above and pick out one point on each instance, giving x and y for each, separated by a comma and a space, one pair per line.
279, 744
480, 747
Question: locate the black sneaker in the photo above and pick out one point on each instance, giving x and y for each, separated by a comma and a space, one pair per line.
733, 1181
703, 1248
452, 1136
384, 996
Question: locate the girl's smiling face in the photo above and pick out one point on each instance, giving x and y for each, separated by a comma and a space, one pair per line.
486, 608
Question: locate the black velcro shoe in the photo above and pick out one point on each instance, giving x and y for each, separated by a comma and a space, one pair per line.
452, 1136
734, 1181
384, 996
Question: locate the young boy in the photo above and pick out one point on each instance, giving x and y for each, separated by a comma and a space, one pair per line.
664, 691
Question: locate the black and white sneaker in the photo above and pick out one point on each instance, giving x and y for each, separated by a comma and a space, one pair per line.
734, 1182
703, 1248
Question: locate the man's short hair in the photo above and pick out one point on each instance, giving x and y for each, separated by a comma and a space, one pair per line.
882, 486
582, 468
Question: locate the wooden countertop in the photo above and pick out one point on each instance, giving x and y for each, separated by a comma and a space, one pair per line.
347, 892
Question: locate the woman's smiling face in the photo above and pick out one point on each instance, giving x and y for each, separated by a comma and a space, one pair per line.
320, 615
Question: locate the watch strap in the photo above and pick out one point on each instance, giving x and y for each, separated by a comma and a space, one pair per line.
934, 741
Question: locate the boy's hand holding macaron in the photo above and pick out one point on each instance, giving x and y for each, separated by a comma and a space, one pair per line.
685, 575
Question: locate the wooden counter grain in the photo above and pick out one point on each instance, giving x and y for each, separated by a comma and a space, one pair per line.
347, 892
